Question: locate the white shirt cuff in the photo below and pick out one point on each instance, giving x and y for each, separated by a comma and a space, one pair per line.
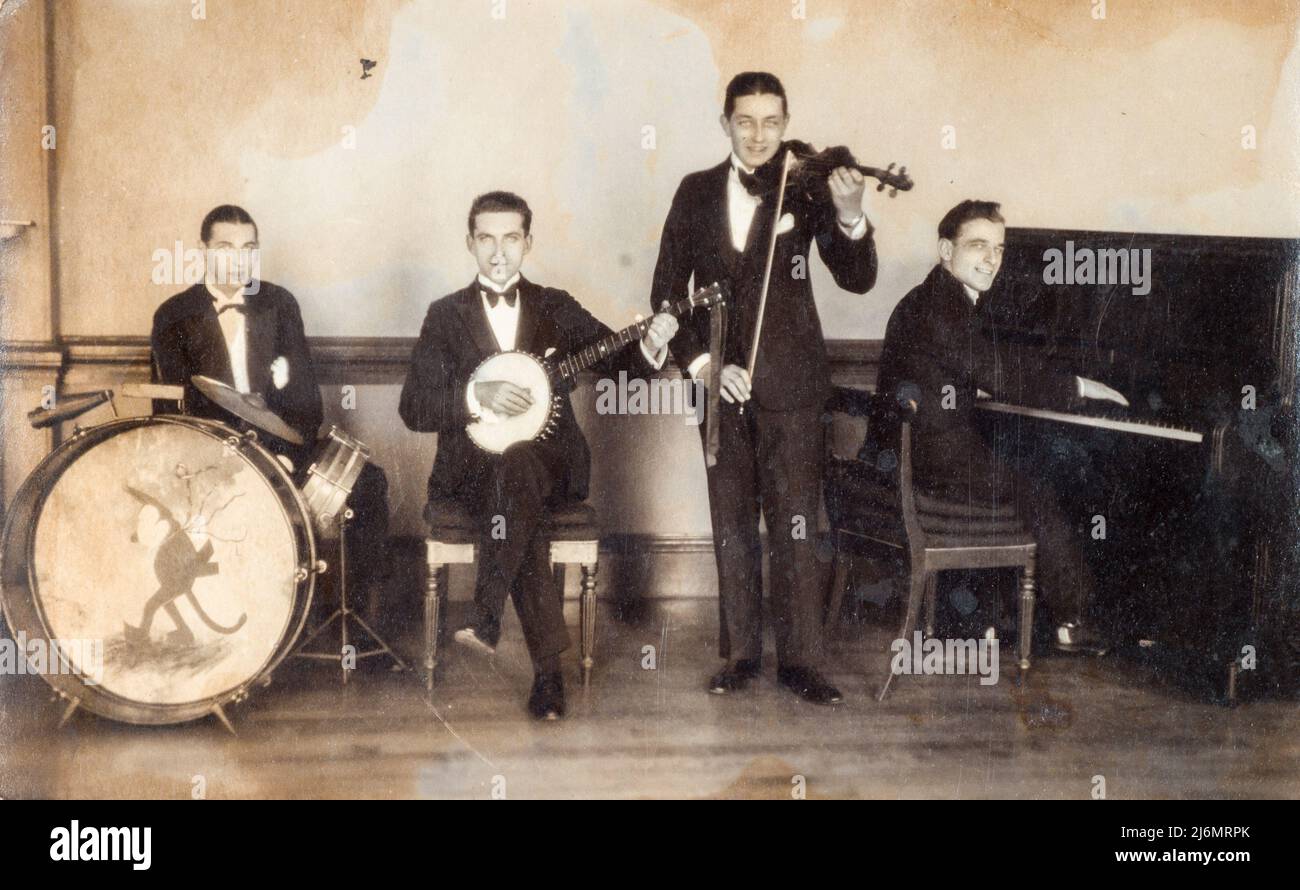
657, 360
859, 228
696, 366
1078, 385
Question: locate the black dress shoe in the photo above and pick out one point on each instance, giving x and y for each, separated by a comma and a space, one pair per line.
546, 701
808, 685
734, 677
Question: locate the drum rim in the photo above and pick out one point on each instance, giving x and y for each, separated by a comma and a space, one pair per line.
72, 685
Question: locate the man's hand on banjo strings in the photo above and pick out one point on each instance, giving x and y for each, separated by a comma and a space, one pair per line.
503, 397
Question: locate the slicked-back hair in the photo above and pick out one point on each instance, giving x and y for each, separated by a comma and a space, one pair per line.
753, 83
501, 202
966, 211
226, 213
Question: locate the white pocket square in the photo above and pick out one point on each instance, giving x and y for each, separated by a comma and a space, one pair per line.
280, 372
786, 224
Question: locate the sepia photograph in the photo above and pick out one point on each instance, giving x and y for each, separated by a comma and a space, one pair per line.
650, 399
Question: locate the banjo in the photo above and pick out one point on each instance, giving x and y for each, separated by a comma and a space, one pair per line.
495, 433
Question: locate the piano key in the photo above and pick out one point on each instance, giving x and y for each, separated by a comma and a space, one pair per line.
1142, 428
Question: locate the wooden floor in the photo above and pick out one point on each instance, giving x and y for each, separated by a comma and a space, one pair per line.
655, 733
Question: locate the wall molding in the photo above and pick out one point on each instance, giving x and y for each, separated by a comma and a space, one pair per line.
19, 356
365, 360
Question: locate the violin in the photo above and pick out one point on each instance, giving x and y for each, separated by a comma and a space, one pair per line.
809, 169
799, 171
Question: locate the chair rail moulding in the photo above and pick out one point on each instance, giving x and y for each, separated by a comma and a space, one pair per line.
385, 359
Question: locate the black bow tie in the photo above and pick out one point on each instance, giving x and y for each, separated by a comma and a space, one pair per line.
752, 183
238, 307
764, 180
493, 297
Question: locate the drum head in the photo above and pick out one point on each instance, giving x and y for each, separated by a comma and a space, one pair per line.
171, 548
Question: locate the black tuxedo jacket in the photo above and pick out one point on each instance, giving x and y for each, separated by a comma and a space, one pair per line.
456, 337
187, 340
792, 369
936, 338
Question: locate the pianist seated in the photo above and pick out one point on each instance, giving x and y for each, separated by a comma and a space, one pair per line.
942, 346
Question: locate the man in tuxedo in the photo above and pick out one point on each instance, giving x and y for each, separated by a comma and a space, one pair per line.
510, 492
949, 338
770, 456
248, 333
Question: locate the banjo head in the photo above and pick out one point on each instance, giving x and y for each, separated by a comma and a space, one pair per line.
497, 432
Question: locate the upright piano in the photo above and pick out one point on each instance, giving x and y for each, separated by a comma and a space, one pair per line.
1196, 481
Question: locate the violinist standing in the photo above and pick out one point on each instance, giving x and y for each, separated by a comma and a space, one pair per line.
770, 432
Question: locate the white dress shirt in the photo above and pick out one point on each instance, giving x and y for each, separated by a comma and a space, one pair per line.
502, 318
504, 321
233, 330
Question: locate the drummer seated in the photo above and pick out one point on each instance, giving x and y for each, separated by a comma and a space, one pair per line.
248, 334
509, 493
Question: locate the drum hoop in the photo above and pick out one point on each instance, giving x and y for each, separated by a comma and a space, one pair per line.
74, 680
552, 410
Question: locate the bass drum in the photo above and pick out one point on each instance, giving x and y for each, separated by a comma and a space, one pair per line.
170, 560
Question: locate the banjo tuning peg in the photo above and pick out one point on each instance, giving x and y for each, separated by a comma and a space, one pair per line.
881, 187
893, 193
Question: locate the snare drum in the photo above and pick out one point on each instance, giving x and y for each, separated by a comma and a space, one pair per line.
180, 548
329, 479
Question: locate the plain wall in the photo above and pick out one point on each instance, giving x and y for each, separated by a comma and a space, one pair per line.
1132, 122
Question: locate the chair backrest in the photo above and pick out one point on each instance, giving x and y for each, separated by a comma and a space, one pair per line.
846, 402
906, 492
860, 403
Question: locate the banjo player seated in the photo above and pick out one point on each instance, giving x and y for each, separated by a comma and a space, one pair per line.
508, 493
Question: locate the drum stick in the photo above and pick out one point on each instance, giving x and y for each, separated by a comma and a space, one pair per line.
153, 391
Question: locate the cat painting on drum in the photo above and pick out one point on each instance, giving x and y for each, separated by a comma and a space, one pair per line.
177, 563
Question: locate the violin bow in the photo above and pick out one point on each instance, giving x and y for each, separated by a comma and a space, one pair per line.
767, 269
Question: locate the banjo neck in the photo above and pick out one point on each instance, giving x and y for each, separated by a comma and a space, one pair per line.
540, 376
580, 360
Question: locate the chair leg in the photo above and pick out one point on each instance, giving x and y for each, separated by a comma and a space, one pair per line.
433, 573
1027, 594
916, 593
931, 594
588, 617
839, 581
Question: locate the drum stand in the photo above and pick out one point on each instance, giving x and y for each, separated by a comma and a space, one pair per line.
343, 614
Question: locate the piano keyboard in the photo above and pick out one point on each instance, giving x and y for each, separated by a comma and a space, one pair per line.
1140, 428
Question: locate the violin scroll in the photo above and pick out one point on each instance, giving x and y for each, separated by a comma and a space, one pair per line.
896, 182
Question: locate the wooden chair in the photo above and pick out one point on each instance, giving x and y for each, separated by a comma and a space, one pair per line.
453, 537
867, 507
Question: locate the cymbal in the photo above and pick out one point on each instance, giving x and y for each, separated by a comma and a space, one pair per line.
249, 406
